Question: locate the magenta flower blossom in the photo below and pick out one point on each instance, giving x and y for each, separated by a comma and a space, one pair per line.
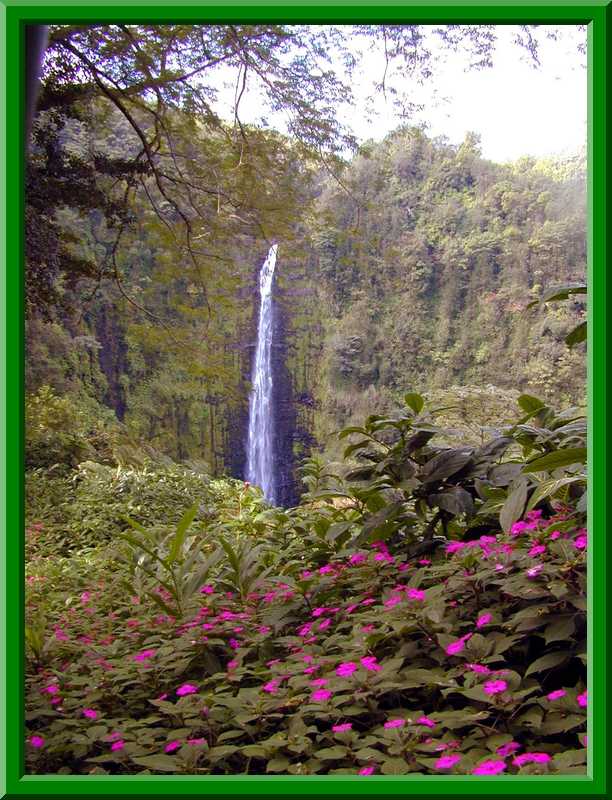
457, 646
52, 689
393, 601
480, 669
555, 535
186, 688
424, 561
37, 741
146, 654
318, 611
342, 728
346, 669
319, 682
85, 597
232, 665
357, 558
370, 663
304, 630
494, 687
483, 620
324, 624
556, 695
320, 695
582, 699
454, 547
416, 594
207, 589
172, 746
537, 550
90, 713
507, 749
580, 542
195, 742
366, 770
271, 687
491, 767
395, 723
527, 758
118, 745
533, 571
306, 574
326, 570
427, 722
446, 762
518, 528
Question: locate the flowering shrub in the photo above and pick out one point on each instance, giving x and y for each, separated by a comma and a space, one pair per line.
475, 667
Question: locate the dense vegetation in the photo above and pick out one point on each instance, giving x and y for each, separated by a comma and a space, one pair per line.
421, 608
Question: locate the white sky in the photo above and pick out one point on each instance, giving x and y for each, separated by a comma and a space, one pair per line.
517, 109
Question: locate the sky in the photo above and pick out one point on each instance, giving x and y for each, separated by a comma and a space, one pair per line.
516, 109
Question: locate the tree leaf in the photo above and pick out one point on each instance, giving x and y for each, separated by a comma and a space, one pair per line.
548, 661
181, 532
512, 509
161, 762
577, 335
559, 458
414, 401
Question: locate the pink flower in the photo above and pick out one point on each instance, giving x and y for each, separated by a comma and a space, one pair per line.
324, 624
558, 693
319, 682
427, 722
454, 547
531, 573
37, 741
319, 611
499, 568
582, 699
370, 663
366, 770
445, 762
172, 746
118, 745
234, 644
495, 687
357, 558
480, 669
304, 630
52, 689
507, 749
271, 687
320, 695
416, 594
90, 713
146, 654
580, 542
186, 688
537, 550
393, 601
196, 741
346, 669
518, 528
527, 758
306, 574
85, 597
232, 665
555, 535
457, 646
207, 589
483, 620
395, 723
326, 570
345, 726
489, 768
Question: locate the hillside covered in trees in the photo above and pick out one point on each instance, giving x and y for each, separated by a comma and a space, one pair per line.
415, 600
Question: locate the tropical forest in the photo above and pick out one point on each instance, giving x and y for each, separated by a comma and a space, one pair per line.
305, 424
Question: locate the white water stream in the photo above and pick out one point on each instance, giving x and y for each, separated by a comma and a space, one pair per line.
260, 446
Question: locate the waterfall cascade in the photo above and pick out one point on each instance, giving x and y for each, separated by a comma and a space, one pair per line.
260, 446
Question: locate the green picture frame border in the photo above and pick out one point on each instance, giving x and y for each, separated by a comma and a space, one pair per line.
14, 14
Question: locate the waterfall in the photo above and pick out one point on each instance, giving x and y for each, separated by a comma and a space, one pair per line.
260, 447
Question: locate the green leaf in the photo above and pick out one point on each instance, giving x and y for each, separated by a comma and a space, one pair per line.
559, 630
548, 488
181, 532
548, 661
529, 403
161, 762
577, 335
512, 509
414, 401
559, 458
445, 464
